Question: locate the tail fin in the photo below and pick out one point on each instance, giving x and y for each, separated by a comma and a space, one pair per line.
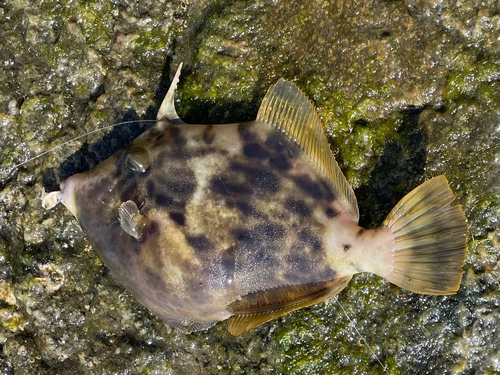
429, 232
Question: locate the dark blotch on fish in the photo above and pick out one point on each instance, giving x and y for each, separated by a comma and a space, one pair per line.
329, 274
245, 133
254, 150
271, 230
174, 131
259, 235
275, 143
242, 235
164, 200
346, 247
247, 209
178, 217
180, 153
297, 206
266, 258
266, 180
309, 187
200, 243
280, 162
178, 183
259, 178
208, 137
152, 230
220, 186
327, 193
181, 187
310, 239
331, 213
301, 264
168, 201
150, 188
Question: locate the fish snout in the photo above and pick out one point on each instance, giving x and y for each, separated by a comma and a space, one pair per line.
66, 195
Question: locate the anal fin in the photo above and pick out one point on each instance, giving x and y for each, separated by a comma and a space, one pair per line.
258, 308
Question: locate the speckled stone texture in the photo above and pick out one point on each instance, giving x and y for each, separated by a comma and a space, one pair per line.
407, 90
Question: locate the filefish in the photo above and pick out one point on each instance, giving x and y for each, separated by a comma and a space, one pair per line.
253, 220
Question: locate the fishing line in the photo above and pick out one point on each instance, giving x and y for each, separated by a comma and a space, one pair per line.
361, 336
76, 138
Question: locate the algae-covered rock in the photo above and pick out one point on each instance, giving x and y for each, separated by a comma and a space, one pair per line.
407, 90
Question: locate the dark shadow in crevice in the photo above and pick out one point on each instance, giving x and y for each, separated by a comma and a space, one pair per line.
398, 171
91, 154
197, 112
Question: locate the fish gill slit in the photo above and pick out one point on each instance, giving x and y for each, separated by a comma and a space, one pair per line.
344, 311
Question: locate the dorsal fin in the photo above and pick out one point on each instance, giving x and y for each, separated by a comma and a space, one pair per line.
287, 109
167, 108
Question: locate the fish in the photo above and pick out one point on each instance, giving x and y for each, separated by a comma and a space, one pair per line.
253, 220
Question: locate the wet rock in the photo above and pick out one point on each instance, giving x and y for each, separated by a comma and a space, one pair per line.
407, 90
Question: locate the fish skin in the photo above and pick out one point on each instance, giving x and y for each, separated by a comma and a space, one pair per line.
207, 222
232, 210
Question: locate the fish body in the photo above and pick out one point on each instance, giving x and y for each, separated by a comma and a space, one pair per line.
249, 221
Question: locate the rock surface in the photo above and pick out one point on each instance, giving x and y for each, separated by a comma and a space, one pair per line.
407, 90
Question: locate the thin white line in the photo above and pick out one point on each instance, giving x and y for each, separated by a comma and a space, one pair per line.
76, 138
360, 336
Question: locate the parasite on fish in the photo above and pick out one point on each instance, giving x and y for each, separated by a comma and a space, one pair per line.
250, 221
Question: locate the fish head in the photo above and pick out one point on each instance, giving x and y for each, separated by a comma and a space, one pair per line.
94, 197
133, 207
101, 188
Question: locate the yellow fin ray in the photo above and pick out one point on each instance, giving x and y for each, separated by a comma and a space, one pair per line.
429, 231
287, 109
260, 307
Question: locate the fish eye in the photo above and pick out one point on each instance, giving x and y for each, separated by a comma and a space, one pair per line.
136, 159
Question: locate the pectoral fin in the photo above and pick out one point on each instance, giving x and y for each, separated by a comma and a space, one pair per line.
131, 220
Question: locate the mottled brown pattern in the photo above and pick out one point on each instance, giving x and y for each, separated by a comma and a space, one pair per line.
232, 210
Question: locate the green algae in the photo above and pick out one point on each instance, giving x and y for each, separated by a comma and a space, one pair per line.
464, 84
316, 343
94, 18
362, 71
150, 39
53, 115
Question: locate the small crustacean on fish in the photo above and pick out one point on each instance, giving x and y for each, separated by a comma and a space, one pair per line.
250, 221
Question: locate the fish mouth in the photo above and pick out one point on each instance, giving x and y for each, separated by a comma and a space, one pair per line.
66, 195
